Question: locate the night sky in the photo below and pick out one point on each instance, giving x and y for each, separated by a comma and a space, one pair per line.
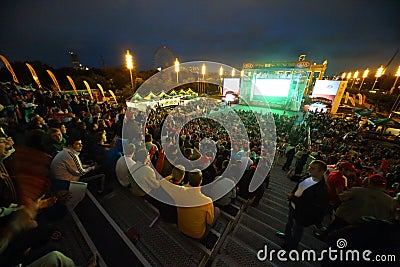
350, 34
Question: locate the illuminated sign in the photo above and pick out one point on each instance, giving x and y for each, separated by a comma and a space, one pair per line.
303, 64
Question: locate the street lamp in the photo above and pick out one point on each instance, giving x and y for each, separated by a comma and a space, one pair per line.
129, 64
233, 73
343, 75
221, 72
378, 74
203, 72
355, 76
177, 69
365, 75
395, 81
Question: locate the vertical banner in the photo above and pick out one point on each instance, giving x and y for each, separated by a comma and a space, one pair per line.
360, 99
34, 76
10, 69
346, 97
72, 84
54, 80
112, 94
88, 89
352, 100
101, 89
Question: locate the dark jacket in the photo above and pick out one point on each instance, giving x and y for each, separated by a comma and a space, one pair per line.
312, 204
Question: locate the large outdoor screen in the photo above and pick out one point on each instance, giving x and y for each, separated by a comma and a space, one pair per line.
326, 89
272, 87
231, 84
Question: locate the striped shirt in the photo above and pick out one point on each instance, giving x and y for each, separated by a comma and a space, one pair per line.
66, 165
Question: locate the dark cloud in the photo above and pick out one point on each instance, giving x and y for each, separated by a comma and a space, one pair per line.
350, 34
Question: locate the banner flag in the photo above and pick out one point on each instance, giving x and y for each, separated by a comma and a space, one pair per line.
113, 95
34, 76
88, 89
101, 89
10, 69
72, 84
54, 80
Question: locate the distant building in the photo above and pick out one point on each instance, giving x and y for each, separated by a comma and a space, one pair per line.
75, 61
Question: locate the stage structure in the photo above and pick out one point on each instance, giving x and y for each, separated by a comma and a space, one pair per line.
280, 85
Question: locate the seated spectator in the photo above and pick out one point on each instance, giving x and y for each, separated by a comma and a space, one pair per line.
364, 201
151, 148
67, 165
177, 175
222, 185
144, 178
193, 221
53, 142
99, 149
124, 164
337, 182
36, 131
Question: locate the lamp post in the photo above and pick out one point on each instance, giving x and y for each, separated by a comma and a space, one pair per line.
221, 72
203, 72
348, 77
355, 76
129, 65
177, 69
343, 75
395, 81
233, 73
378, 74
365, 75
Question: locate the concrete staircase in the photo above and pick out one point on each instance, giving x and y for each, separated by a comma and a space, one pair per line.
256, 229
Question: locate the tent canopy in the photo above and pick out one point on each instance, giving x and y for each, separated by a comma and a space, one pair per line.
362, 111
378, 121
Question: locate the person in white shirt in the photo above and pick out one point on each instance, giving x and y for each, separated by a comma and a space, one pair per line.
124, 164
144, 178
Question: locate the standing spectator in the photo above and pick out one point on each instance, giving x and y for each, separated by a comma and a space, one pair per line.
290, 152
307, 204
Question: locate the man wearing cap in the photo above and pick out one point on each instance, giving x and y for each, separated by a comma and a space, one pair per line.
337, 182
358, 202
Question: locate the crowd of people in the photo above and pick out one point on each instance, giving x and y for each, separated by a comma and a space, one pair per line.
176, 153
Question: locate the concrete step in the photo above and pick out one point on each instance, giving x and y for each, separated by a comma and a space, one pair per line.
106, 235
242, 254
159, 242
277, 224
278, 214
268, 247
